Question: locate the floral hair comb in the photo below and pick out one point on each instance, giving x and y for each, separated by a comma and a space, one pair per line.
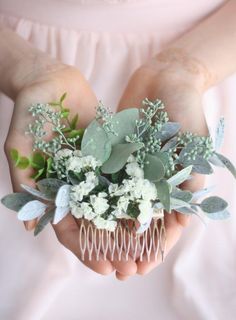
119, 177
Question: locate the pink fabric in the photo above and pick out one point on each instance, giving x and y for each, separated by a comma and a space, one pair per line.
39, 279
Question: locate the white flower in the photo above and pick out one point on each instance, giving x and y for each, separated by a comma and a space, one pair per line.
63, 153
146, 211
83, 189
99, 203
131, 158
90, 161
91, 178
149, 191
78, 163
133, 170
77, 153
76, 210
74, 164
101, 223
82, 210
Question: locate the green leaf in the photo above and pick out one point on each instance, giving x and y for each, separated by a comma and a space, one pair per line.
23, 163
95, 142
154, 169
213, 204
43, 221
163, 193
39, 173
50, 186
15, 201
63, 97
37, 161
227, 163
14, 154
66, 130
218, 215
65, 114
180, 176
74, 134
119, 155
74, 122
124, 124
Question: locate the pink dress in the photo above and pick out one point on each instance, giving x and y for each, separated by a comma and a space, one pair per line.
39, 279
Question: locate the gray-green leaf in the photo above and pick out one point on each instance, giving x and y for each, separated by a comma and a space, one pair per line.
50, 186
180, 176
213, 204
35, 192
119, 156
163, 193
154, 169
181, 194
43, 221
218, 215
95, 142
31, 210
219, 138
15, 201
168, 130
227, 163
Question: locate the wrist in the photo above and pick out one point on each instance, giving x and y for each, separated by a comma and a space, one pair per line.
175, 67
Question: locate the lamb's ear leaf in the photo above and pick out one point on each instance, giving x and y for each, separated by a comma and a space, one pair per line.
154, 169
119, 156
15, 201
213, 204
36, 193
170, 144
43, 221
180, 176
187, 210
200, 165
163, 193
63, 196
219, 137
216, 161
177, 203
31, 210
227, 163
224, 214
181, 194
95, 142
124, 124
168, 130
50, 186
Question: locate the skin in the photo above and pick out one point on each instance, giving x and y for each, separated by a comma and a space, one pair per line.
179, 75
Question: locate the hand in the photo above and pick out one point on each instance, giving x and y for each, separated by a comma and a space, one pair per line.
44, 87
181, 93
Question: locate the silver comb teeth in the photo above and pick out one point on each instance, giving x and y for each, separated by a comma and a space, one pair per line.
123, 243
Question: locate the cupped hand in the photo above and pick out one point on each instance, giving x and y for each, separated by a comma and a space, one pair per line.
181, 93
48, 86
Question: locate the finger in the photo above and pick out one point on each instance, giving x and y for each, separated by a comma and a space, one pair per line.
67, 232
121, 277
173, 233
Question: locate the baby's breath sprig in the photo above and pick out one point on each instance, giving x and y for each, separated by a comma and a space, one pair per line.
105, 115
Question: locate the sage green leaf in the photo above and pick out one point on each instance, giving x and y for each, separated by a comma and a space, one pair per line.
31, 210
124, 124
43, 221
23, 163
213, 204
177, 203
14, 154
198, 194
219, 136
35, 192
218, 215
200, 165
15, 201
214, 159
168, 130
119, 156
37, 161
185, 210
181, 194
154, 169
163, 193
227, 163
163, 156
50, 186
180, 176
95, 142
170, 144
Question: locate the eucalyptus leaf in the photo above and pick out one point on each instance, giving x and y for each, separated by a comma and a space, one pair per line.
35, 192
170, 144
154, 169
219, 137
124, 124
95, 142
43, 221
168, 130
163, 156
31, 210
180, 176
50, 186
119, 156
163, 193
224, 214
15, 201
213, 204
63, 196
104, 181
227, 163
